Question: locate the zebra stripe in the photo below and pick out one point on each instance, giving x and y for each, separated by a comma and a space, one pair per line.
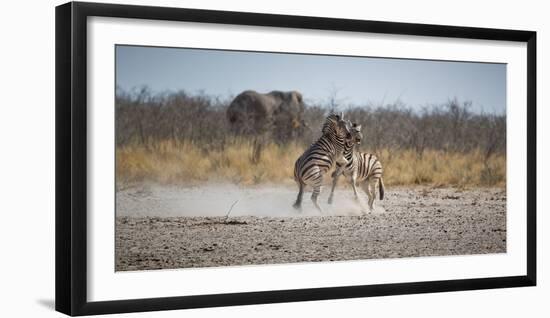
321, 156
368, 166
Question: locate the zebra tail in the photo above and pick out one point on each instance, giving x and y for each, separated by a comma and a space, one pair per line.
381, 188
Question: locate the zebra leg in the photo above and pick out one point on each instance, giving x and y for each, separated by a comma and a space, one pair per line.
298, 204
338, 171
365, 187
315, 195
372, 183
354, 185
335, 176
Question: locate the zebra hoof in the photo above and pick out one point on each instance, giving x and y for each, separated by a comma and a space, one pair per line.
297, 206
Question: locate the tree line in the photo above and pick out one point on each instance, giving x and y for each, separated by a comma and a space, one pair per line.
146, 118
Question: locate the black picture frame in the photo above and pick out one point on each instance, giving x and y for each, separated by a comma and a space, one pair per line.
71, 157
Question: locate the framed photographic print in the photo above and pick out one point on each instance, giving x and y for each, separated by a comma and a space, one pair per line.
211, 158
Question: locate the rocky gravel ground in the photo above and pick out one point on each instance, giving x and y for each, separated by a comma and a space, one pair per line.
410, 222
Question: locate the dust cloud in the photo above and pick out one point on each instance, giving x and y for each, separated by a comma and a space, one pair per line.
219, 199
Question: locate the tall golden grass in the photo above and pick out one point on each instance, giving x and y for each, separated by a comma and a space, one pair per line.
168, 162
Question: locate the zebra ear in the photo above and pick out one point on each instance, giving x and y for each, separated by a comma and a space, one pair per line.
357, 127
341, 115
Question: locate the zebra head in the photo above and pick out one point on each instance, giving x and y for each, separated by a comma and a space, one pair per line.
356, 134
336, 125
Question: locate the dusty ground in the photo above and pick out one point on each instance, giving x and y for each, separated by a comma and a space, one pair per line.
160, 227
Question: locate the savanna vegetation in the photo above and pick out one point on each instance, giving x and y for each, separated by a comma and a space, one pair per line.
184, 139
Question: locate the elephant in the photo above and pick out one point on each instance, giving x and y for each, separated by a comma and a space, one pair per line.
277, 114
252, 113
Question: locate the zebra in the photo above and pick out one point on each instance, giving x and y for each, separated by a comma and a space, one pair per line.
363, 168
321, 156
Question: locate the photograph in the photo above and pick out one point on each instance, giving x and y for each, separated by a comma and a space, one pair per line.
239, 158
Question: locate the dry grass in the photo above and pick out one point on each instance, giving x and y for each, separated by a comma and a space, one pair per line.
188, 163
440, 168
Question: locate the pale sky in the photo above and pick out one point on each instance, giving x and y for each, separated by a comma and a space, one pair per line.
357, 80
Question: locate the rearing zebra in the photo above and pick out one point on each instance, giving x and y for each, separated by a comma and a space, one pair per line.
363, 168
315, 162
